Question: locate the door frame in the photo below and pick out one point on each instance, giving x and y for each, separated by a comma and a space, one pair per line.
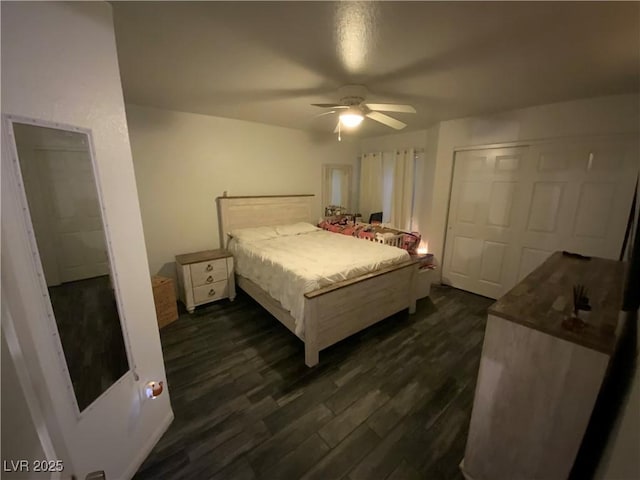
26, 383
516, 143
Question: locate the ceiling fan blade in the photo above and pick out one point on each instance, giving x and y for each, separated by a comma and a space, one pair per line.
328, 105
325, 113
337, 127
389, 107
386, 120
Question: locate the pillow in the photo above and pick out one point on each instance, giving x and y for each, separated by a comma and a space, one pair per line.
296, 229
253, 234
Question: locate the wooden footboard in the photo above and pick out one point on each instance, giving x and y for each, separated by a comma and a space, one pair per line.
335, 312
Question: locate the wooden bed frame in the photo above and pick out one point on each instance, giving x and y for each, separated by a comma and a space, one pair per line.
331, 313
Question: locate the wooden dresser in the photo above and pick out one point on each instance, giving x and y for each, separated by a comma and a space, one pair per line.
205, 277
538, 381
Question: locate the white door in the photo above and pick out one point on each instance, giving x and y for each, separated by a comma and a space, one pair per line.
510, 208
60, 71
74, 214
484, 220
64, 206
115, 429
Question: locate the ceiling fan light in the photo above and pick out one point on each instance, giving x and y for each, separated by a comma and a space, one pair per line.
351, 118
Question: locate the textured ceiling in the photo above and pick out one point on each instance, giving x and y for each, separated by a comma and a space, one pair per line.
267, 61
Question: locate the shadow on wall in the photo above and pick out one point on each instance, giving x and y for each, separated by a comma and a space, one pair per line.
322, 138
607, 435
611, 401
163, 119
169, 270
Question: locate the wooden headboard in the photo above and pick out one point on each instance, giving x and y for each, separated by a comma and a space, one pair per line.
262, 211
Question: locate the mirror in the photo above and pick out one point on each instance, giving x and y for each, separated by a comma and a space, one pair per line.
60, 187
336, 186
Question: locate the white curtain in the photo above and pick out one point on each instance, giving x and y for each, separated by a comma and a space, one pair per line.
388, 172
371, 182
402, 198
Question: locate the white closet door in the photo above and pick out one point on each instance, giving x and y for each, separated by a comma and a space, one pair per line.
484, 221
511, 208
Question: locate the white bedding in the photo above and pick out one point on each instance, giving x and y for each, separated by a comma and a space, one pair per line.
289, 266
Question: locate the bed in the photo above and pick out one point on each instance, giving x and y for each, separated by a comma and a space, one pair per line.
328, 311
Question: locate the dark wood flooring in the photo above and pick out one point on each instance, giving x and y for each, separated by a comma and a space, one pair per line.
392, 402
91, 335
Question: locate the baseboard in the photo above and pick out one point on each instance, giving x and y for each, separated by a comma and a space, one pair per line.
144, 452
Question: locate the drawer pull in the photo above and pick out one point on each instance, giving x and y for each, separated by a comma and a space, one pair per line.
212, 292
209, 268
209, 279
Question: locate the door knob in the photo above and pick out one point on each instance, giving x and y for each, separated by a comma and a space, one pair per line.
153, 389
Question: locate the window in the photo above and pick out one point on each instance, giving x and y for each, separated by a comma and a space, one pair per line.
387, 183
336, 185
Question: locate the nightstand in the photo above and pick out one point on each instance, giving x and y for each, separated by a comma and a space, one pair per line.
426, 275
205, 277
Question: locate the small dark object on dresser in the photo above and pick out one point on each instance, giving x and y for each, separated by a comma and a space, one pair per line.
575, 255
580, 299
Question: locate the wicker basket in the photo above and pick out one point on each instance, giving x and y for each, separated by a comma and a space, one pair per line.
164, 296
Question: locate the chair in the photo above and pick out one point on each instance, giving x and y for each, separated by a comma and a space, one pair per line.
375, 217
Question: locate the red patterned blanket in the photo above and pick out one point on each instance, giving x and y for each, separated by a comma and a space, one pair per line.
410, 240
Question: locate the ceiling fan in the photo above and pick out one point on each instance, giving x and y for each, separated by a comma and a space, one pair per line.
353, 109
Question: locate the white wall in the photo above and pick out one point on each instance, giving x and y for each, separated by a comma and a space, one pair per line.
183, 161
597, 116
59, 64
393, 141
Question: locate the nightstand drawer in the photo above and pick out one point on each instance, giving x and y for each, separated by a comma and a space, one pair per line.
214, 291
206, 273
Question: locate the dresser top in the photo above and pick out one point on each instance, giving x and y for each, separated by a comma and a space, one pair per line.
204, 256
544, 299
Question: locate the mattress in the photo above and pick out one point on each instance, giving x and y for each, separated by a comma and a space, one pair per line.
289, 266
